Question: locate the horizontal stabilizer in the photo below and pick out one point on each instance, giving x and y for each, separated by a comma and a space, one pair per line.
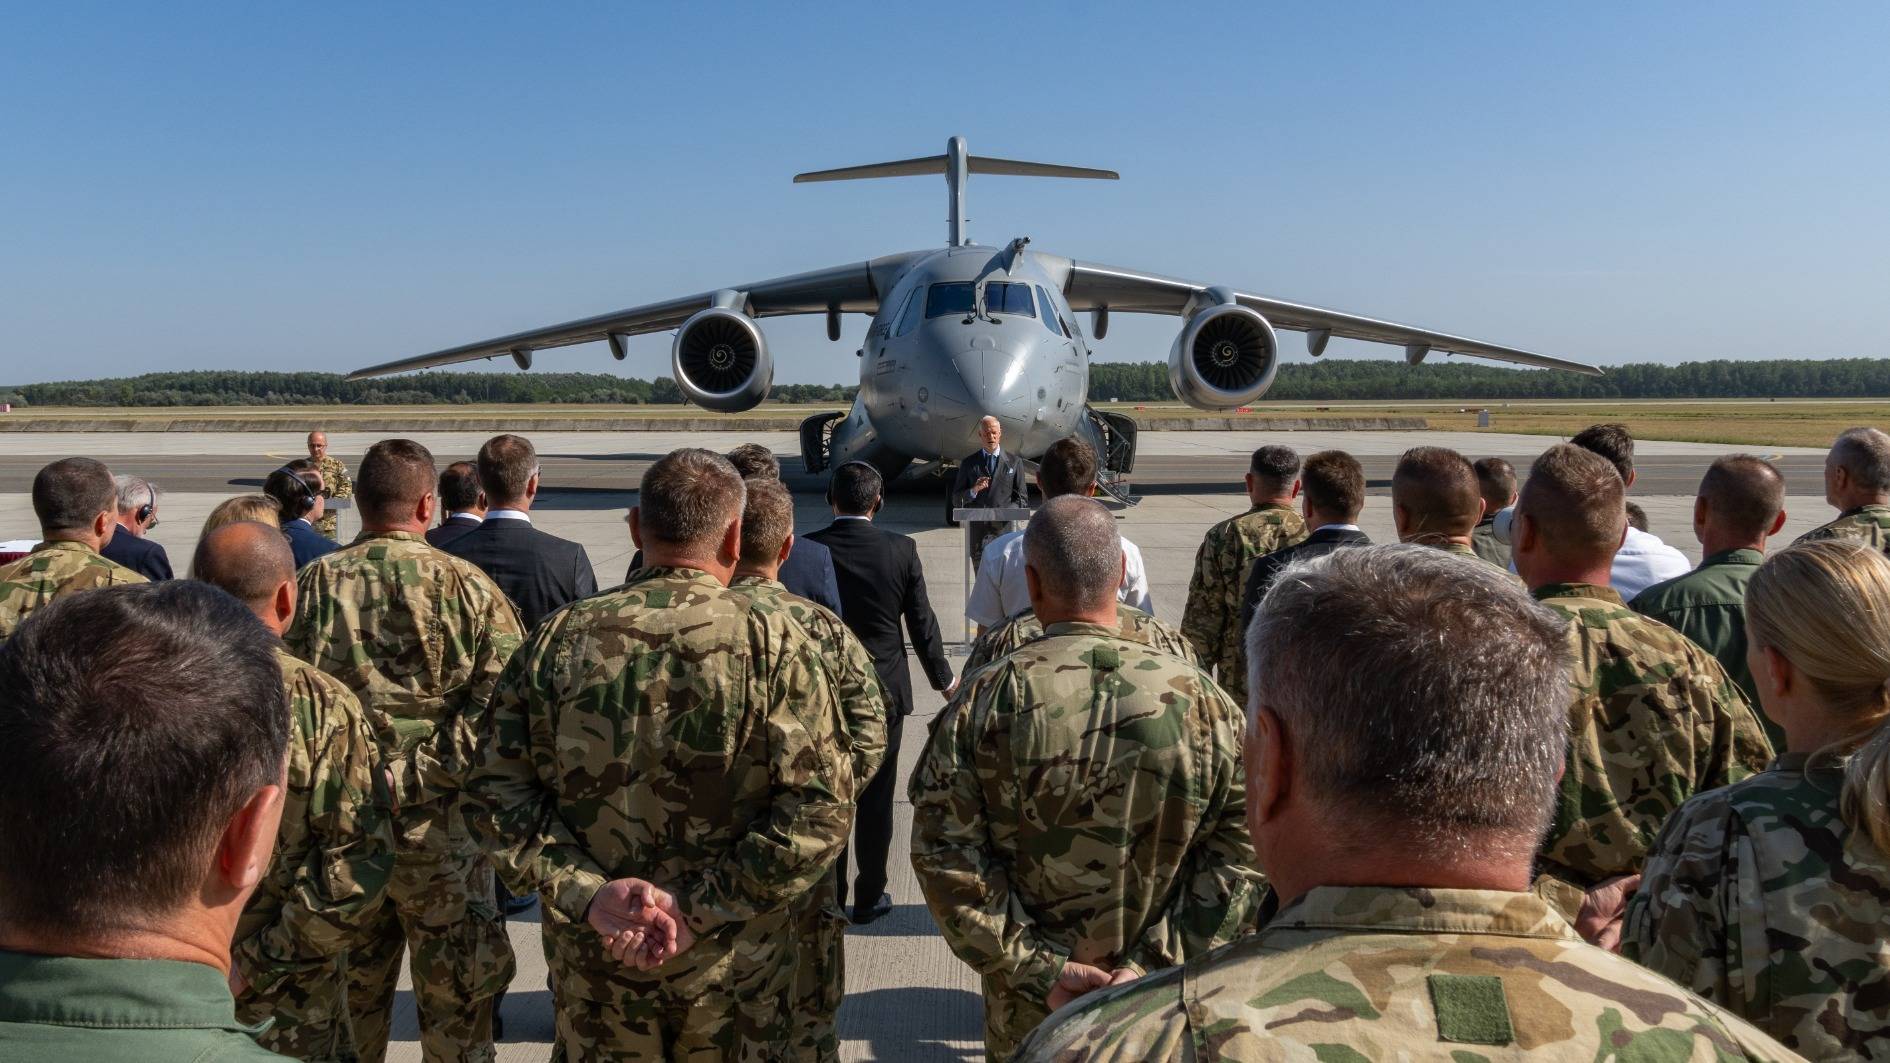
938, 163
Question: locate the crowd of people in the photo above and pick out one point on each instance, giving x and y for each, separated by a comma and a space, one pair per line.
1519, 783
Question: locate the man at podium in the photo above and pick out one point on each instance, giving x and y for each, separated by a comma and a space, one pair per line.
989, 478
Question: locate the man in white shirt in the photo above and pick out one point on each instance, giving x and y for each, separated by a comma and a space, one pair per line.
1069, 467
1643, 559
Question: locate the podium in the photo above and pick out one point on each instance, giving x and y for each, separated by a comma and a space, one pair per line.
982, 525
338, 505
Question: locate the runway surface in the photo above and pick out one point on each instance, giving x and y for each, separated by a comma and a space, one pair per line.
908, 997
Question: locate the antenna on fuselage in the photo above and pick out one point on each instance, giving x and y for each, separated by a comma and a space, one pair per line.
957, 164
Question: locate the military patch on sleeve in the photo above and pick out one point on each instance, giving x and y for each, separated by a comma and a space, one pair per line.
657, 600
1105, 659
1471, 1009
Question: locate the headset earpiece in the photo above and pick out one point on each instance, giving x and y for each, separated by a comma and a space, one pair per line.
145, 511
307, 501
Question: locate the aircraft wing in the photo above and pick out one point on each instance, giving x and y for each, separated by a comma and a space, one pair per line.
851, 289
1092, 287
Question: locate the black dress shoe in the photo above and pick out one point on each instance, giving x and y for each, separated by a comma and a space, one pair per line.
863, 915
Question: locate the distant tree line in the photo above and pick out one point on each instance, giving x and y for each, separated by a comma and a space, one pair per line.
1340, 380
238, 388
1128, 381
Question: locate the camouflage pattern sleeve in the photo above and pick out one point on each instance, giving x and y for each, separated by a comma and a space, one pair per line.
335, 478
514, 783
792, 710
1201, 619
967, 886
1677, 922
1739, 745
1146, 1019
335, 849
1218, 892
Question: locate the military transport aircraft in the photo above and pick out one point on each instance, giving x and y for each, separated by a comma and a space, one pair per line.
966, 330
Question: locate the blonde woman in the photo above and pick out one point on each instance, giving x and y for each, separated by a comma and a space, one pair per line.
1772, 896
260, 508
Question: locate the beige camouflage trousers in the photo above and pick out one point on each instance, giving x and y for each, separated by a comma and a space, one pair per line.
820, 980
442, 910
310, 1012
744, 1013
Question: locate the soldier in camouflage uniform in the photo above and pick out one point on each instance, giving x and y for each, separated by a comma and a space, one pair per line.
1436, 501
767, 538
1857, 482
77, 506
334, 850
335, 481
1654, 718
419, 636
1132, 623
1212, 618
1078, 813
1768, 896
675, 731
1389, 746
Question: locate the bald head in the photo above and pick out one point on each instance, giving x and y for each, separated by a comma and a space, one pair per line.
1074, 555
1435, 495
251, 561
1575, 502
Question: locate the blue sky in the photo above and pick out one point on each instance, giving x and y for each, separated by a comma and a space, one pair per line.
327, 186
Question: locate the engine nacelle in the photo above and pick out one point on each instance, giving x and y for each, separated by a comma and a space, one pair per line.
1225, 357
720, 360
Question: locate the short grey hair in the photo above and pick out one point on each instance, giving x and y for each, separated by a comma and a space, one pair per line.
689, 497
1072, 544
1865, 454
134, 491
1423, 690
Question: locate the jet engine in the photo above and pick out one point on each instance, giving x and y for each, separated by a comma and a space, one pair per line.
720, 360
1225, 357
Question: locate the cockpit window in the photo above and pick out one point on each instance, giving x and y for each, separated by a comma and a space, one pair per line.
955, 298
909, 316
1049, 312
1001, 297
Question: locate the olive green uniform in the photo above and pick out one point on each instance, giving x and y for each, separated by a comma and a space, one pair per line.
56, 1009
1708, 605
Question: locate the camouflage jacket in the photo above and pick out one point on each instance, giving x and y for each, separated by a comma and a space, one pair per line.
1212, 618
419, 636
862, 702
1869, 524
1759, 897
335, 481
673, 731
1082, 799
1136, 626
1654, 720
335, 849
53, 570
1370, 973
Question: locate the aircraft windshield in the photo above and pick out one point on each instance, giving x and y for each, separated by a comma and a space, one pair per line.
1003, 298
946, 299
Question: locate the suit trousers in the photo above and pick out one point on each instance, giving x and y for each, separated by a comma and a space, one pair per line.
873, 826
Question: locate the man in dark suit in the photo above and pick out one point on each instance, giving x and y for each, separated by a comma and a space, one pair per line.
881, 584
808, 570
989, 478
463, 501
538, 571
137, 515
296, 489
1332, 495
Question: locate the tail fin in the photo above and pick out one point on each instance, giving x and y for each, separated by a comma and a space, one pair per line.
956, 164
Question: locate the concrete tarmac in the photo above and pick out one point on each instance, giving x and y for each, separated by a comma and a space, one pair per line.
908, 997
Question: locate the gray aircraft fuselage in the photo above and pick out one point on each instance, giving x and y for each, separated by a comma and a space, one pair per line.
926, 380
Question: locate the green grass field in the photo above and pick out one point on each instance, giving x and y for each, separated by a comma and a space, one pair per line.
1784, 422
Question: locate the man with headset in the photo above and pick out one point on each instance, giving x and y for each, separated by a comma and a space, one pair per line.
297, 490
137, 515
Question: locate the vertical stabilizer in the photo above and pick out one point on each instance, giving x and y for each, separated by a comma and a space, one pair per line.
957, 164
